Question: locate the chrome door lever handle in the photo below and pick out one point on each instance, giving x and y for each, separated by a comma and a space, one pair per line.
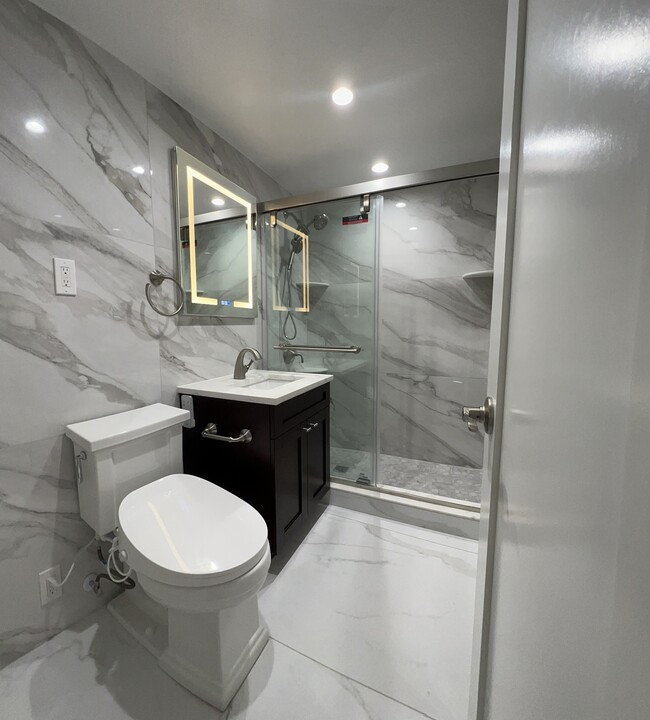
475, 417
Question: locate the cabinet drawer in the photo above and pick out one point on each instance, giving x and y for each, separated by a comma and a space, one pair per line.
298, 409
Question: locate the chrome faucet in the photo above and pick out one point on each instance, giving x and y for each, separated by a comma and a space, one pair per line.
242, 368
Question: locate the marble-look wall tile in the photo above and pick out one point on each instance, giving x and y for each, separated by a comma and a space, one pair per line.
169, 125
40, 526
435, 326
72, 192
66, 359
420, 418
80, 170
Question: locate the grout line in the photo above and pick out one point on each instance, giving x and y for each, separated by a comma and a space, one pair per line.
357, 682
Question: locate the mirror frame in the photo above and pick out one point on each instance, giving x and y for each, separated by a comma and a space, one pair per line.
186, 170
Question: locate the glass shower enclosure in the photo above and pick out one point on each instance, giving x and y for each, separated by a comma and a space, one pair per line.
393, 299
320, 312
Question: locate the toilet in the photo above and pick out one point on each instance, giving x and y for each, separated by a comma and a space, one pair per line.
199, 555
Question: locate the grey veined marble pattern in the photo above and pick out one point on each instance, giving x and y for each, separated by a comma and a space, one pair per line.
95, 187
342, 312
40, 526
397, 603
435, 326
90, 167
66, 359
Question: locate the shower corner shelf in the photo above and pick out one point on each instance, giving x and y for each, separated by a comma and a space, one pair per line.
316, 291
479, 275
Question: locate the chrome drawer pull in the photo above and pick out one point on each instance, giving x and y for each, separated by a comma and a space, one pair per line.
210, 433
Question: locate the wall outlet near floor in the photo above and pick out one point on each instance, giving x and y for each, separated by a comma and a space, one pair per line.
65, 277
50, 593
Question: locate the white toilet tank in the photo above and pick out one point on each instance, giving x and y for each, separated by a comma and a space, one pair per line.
124, 452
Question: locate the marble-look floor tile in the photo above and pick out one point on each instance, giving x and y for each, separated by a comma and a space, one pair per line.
385, 606
89, 169
96, 670
405, 527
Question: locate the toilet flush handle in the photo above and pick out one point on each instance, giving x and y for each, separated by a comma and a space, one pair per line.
78, 459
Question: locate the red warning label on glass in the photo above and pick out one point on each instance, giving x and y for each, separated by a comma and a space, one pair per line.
355, 219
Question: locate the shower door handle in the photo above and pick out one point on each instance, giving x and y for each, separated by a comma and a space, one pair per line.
474, 417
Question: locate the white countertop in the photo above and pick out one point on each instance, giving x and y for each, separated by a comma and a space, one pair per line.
265, 387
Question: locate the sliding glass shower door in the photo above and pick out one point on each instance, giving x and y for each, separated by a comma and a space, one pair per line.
321, 318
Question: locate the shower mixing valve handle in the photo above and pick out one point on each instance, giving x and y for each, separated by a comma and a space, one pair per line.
474, 417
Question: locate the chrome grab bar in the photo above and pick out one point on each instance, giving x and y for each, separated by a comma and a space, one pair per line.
319, 348
210, 433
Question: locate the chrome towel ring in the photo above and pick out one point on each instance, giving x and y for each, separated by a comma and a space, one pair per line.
156, 278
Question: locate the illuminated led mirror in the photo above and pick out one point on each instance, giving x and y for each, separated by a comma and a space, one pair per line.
216, 241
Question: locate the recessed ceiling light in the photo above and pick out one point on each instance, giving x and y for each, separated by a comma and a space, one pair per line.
35, 126
218, 201
379, 167
138, 170
413, 227
400, 204
342, 96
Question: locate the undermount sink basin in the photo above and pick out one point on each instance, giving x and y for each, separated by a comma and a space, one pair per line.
270, 382
267, 387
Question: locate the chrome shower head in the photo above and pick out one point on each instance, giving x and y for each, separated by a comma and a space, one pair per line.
320, 221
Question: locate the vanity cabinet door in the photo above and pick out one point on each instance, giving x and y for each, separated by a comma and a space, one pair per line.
318, 457
291, 469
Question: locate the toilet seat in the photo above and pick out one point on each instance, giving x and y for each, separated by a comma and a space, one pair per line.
184, 531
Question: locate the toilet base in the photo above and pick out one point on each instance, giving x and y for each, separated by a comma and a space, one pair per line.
210, 654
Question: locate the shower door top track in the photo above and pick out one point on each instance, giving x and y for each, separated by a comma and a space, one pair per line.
371, 187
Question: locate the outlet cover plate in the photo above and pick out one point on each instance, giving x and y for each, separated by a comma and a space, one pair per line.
49, 594
65, 277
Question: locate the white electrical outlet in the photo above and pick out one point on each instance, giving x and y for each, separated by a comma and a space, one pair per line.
65, 277
49, 592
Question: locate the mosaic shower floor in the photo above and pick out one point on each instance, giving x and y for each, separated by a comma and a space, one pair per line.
451, 481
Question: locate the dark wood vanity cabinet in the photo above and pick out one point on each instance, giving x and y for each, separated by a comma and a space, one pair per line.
283, 472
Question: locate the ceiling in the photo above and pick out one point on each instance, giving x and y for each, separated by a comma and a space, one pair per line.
427, 77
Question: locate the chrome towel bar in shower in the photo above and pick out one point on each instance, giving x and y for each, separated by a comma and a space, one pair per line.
210, 433
319, 348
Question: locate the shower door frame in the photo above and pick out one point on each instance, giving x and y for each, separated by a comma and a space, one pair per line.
371, 188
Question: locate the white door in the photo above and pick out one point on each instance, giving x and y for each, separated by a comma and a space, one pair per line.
565, 549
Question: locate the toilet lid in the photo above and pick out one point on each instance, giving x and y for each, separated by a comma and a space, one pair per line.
183, 530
